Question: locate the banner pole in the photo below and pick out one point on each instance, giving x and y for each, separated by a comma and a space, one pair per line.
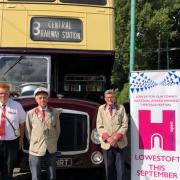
132, 35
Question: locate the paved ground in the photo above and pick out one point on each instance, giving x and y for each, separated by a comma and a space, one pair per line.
65, 176
75, 174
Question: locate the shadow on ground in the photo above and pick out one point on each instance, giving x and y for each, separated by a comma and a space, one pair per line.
75, 174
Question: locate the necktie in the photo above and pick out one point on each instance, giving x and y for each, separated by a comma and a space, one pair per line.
110, 110
2, 121
43, 115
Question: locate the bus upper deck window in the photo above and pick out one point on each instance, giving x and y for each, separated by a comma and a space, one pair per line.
93, 2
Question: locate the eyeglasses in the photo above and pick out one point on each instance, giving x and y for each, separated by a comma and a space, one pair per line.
109, 97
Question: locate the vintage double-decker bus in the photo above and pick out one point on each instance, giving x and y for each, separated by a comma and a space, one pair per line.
68, 47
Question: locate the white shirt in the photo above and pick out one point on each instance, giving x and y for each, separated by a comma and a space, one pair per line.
113, 108
45, 109
16, 115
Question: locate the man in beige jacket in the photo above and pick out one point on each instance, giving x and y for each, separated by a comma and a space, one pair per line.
42, 131
112, 125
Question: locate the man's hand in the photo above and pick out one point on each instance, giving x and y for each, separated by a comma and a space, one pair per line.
117, 136
22, 129
112, 142
105, 136
114, 139
20, 143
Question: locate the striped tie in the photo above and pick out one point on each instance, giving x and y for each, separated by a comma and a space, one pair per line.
2, 122
110, 110
43, 115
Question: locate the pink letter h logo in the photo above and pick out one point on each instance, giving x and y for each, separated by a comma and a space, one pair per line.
164, 131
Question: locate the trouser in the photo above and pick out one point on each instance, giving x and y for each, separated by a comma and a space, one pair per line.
114, 163
8, 157
50, 164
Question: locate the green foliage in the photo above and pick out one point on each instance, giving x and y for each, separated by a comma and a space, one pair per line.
155, 21
121, 66
123, 96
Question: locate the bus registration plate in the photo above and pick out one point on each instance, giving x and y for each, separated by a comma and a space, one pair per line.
64, 162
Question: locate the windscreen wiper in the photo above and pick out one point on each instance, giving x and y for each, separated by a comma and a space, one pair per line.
17, 61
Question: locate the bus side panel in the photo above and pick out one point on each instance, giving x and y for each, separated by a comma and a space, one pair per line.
1, 9
14, 26
112, 30
99, 31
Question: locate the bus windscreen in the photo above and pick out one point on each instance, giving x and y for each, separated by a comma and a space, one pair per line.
24, 72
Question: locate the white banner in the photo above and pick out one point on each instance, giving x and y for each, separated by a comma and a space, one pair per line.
155, 125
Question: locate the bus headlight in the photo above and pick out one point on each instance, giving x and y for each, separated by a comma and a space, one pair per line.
97, 157
95, 136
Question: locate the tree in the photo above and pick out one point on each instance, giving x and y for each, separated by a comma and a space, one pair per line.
122, 22
155, 21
